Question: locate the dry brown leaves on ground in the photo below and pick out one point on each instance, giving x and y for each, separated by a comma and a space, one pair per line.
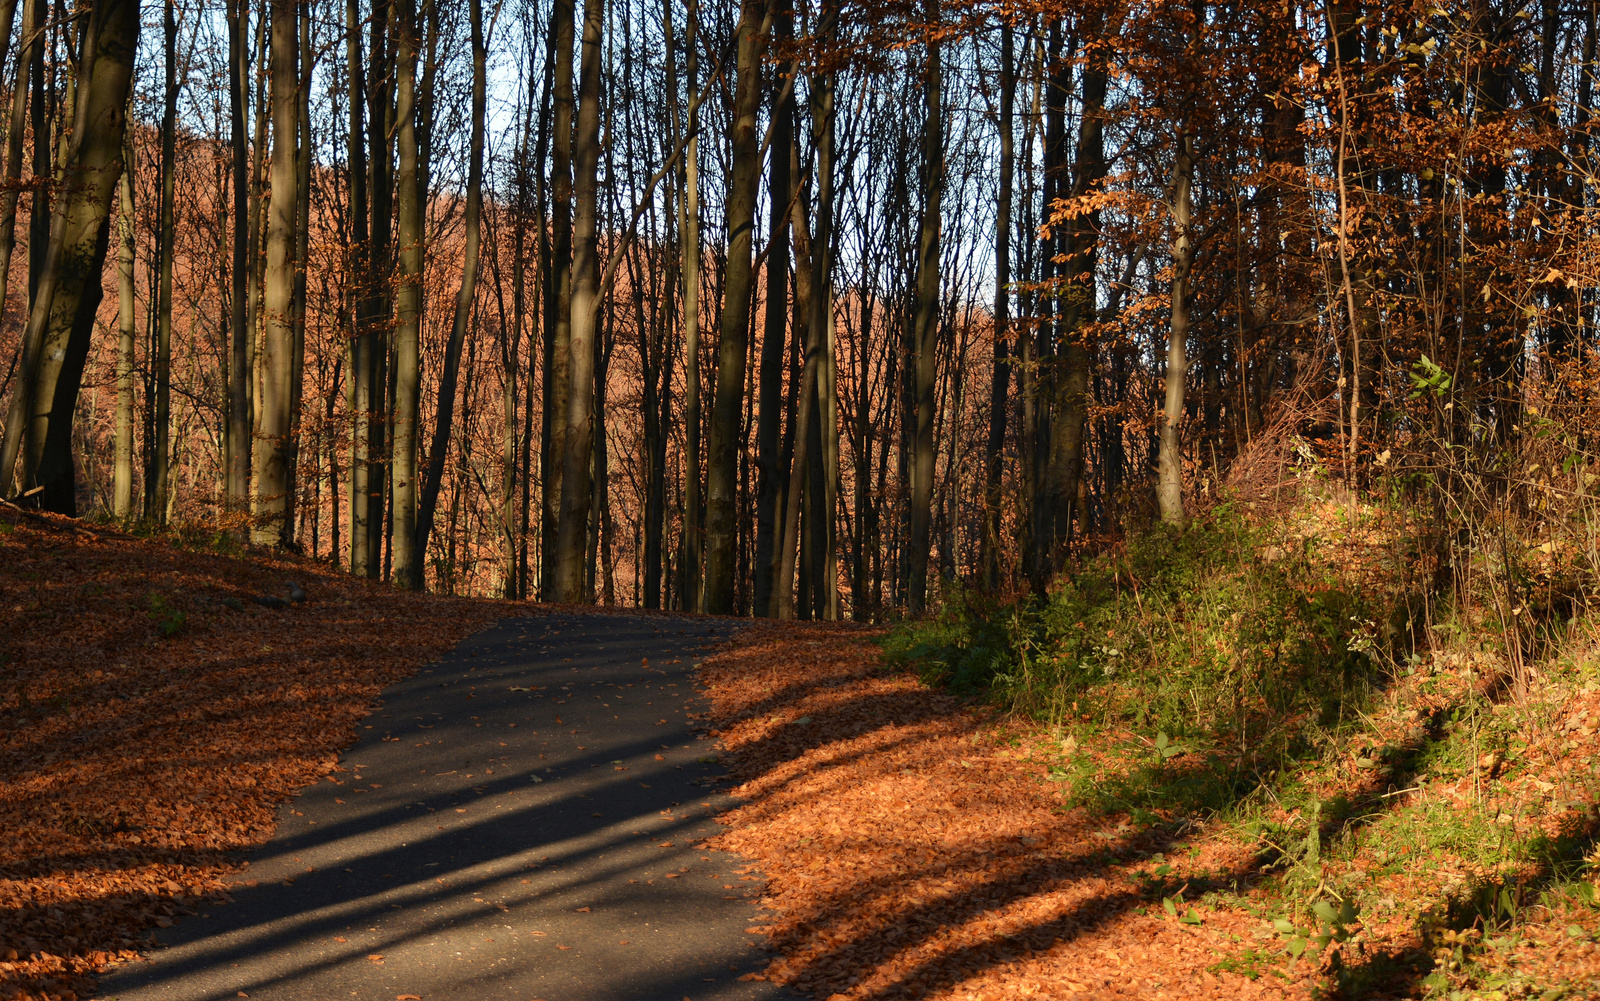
911, 852
147, 729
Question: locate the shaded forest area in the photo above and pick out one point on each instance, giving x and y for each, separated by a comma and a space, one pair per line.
832, 311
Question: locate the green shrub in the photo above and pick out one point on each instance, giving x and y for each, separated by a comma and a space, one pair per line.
1188, 633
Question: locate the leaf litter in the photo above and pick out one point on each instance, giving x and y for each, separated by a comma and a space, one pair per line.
910, 851
153, 716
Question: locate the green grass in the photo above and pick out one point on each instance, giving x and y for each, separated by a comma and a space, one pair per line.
1236, 664
1235, 674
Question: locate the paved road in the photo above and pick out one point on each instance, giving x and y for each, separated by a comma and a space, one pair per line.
518, 821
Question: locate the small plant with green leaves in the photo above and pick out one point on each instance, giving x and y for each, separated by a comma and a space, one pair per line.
168, 620
1328, 924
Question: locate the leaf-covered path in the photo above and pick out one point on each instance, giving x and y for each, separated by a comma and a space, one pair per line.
517, 820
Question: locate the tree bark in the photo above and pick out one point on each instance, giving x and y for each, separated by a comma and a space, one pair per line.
29, 41
304, 152
122, 476
690, 564
61, 324
1000, 376
558, 298
274, 471
926, 327
774, 339
825, 425
469, 279
576, 485
1169, 476
408, 569
1076, 307
361, 336
156, 489
381, 84
733, 348
236, 484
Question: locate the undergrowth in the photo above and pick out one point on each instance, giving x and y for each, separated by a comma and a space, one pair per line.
1393, 766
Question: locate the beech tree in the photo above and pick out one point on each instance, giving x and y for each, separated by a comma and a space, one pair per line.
778, 309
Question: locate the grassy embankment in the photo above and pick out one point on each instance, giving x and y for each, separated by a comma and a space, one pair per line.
1398, 762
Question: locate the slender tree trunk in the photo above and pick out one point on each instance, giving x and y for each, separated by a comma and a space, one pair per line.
1075, 308
774, 339
863, 600
258, 206
57, 338
825, 565
237, 474
274, 471
407, 568
603, 529
558, 298
361, 338
302, 248
576, 486
734, 347
469, 280
926, 328
381, 83
30, 42
122, 477
1169, 482
44, 110
801, 402
156, 489
1000, 376
792, 508
689, 236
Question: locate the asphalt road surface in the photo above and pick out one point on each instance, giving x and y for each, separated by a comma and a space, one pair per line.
518, 821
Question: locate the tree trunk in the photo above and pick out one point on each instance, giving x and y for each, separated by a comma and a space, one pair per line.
803, 393
576, 486
469, 278
689, 237
161, 431
926, 327
774, 339
122, 477
558, 299
45, 107
258, 259
56, 341
1000, 376
825, 561
274, 471
381, 83
733, 348
1076, 307
32, 13
236, 486
1169, 482
408, 568
304, 152
360, 385
541, 295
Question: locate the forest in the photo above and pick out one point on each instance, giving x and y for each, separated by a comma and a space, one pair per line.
833, 310
1176, 421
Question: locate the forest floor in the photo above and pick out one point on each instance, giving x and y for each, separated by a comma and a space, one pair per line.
914, 844
920, 845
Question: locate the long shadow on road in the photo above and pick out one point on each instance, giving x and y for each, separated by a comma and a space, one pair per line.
518, 820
